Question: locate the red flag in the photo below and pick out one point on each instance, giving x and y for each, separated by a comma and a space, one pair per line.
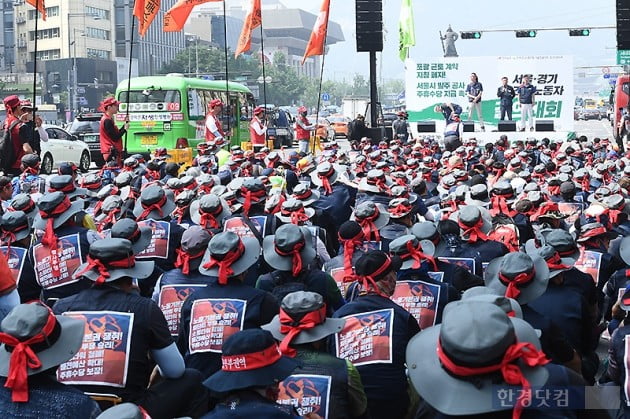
252, 21
145, 11
175, 18
39, 5
317, 42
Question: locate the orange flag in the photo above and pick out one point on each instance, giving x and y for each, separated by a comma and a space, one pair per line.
252, 21
317, 42
39, 5
145, 11
175, 18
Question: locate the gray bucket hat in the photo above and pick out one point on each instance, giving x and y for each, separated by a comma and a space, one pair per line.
624, 250
242, 253
49, 208
370, 211
294, 209
488, 295
469, 215
304, 193
398, 247
478, 195
65, 184
194, 243
472, 334
25, 321
325, 170
555, 262
106, 251
502, 273
212, 207
375, 182
290, 243
15, 226
399, 207
122, 411
153, 203
140, 237
293, 308
24, 202
559, 239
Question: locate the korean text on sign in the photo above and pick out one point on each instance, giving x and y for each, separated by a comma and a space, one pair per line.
214, 320
366, 338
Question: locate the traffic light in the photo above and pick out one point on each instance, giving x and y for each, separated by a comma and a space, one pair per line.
530, 33
470, 35
579, 32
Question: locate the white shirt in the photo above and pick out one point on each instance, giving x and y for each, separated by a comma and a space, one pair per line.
211, 125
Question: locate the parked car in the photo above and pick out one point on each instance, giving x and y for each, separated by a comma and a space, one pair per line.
340, 125
86, 126
62, 147
589, 113
325, 131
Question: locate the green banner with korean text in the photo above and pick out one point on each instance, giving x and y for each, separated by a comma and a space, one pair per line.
434, 81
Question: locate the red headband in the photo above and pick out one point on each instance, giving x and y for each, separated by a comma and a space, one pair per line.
368, 281
109, 218
324, 177
349, 245
500, 206
474, 232
400, 210
23, 357
103, 267
510, 371
297, 217
249, 194
49, 239
369, 228
208, 218
184, 258
156, 206
225, 264
307, 194
418, 256
251, 361
512, 284
292, 328
67, 188
555, 262
295, 253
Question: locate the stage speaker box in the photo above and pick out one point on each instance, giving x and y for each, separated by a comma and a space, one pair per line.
369, 25
376, 135
469, 126
507, 126
426, 126
543, 125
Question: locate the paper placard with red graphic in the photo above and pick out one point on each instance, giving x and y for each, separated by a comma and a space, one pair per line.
366, 338
572, 210
420, 299
590, 263
239, 227
15, 258
161, 232
213, 320
626, 365
436, 276
69, 255
104, 356
172, 299
338, 275
466, 263
307, 393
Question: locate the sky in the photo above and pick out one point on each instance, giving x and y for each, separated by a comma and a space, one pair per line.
598, 49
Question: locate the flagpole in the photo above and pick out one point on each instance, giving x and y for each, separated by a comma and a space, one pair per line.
133, 28
35, 66
225, 50
262, 49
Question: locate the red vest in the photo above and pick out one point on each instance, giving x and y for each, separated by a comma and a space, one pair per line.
106, 141
301, 133
16, 140
256, 139
209, 135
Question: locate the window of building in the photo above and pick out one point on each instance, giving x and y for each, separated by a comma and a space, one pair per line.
97, 33
98, 53
44, 34
96, 12
50, 12
49, 54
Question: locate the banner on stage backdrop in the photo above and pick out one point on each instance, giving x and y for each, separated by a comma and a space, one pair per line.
433, 81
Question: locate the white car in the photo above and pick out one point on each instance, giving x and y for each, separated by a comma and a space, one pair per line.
63, 147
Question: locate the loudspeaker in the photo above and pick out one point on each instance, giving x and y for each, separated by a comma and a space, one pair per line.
544, 125
426, 126
469, 126
376, 135
369, 25
507, 126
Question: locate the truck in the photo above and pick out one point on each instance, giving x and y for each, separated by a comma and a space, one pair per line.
353, 105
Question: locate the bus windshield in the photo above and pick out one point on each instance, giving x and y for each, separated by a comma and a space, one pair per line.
148, 95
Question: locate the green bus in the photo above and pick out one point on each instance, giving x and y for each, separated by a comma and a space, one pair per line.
169, 111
